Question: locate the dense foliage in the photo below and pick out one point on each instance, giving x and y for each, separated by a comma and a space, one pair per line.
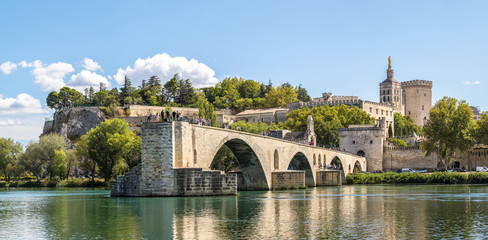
327, 121
404, 126
257, 128
397, 142
224, 160
235, 93
9, 152
450, 127
113, 147
401, 178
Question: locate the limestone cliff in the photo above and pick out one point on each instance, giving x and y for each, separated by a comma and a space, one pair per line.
72, 123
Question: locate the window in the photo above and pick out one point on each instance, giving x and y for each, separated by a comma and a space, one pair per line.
409, 113
371, 141
370, 109
422, 107
376, 111
353, 142
381, 112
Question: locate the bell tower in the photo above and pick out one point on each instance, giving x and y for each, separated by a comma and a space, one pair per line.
391, 90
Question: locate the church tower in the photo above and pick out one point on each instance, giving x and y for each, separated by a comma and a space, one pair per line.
391, 90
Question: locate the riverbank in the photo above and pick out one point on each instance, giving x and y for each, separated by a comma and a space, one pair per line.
418, 178
72, 182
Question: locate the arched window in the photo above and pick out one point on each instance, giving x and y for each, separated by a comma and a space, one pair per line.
194, 156
314, 160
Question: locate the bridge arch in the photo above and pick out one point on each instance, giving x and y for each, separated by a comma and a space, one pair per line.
357, 167
338, 163
300, 162
249, 163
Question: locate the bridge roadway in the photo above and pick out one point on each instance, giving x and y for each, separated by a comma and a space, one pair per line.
195, 146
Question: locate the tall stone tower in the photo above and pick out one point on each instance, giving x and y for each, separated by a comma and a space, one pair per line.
417, 98
390, 90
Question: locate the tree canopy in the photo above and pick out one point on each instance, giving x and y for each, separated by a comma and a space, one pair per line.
113, 147
450, 127
404, 126
327, 121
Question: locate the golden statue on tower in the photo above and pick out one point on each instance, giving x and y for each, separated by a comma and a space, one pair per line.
389, 61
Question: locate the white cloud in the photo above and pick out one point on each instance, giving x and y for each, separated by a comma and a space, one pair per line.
22, 104
85, 79
8, 67
51, 77
36, 64
11, 122
472, 83
164, 66
91, 65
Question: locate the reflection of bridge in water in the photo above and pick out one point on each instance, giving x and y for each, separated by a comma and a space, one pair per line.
172, 151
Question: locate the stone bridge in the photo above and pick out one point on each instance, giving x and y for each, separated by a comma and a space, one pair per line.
180, 145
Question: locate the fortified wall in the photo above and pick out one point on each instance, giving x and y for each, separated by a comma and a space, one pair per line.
395, 158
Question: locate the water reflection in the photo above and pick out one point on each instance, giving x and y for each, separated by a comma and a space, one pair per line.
384, 212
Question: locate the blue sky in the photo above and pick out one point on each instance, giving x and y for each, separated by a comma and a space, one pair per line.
337, 46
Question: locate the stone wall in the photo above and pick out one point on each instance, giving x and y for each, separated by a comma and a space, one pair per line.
128, 185
329, 178
195, 182
367, 140
395, 158
288, 179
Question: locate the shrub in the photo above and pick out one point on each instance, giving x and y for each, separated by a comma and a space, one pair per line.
405, 178
397, 142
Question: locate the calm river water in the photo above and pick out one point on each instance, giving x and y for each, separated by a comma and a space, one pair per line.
381, 212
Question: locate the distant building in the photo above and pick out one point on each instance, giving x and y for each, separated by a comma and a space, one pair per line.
266, 115
412, 98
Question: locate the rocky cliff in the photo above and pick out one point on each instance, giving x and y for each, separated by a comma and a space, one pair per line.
72, 123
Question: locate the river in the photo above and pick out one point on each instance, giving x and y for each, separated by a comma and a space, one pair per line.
378, 212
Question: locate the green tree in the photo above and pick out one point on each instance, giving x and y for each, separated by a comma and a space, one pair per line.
46, 156
107, 145
481, 129
280, 96
186, 93
207, 111
249, 89
171, 87
449, 128
9, 151
32, 161
87, 165
52, 149
404, 126
302, 94
327, 121
52, 100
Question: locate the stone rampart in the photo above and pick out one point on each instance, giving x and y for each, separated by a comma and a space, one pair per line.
417, 83
288, 179
395, 158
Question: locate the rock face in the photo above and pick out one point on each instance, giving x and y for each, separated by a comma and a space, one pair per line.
74, 122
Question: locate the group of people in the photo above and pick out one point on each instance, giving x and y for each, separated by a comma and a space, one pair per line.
164, 116
330, 167
202, 121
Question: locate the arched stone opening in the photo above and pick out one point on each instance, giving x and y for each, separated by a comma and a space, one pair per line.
336, 161
320, 160
357, 167
300, 162
361, 153
195, 156
314, 160
245, 159
276, 160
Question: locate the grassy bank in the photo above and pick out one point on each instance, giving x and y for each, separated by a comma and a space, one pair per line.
418, 178
72, 182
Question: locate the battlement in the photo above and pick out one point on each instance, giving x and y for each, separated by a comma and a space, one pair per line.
417, 82
378, 104
409, 148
